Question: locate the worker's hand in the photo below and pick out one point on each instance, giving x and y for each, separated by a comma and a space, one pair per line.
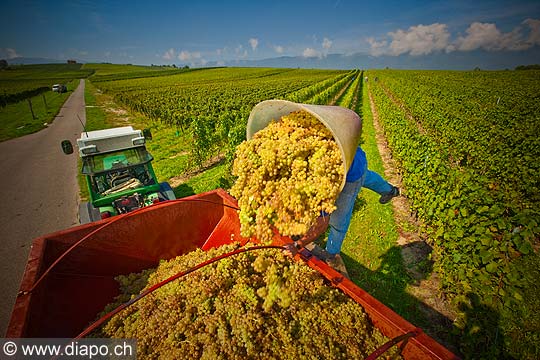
316, 230
290, 249
313, 233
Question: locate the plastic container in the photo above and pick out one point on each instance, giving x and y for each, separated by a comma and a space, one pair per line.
344, 124
82, 283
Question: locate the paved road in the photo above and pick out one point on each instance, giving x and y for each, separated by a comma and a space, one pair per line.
39, 194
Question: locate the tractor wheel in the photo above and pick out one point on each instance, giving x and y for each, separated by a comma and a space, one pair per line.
166, 191
88, 213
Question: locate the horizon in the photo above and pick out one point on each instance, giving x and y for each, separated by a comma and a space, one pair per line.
430, 34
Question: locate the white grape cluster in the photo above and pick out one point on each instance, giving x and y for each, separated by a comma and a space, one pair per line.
254, 305
287, 173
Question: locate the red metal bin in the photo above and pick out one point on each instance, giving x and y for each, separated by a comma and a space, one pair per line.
82, 283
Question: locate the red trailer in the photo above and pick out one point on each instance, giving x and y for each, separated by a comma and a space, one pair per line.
82, 283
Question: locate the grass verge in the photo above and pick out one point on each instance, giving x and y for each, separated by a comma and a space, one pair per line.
17, 119
369, 249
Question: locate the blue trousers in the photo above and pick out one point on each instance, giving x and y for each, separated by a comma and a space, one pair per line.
340, 219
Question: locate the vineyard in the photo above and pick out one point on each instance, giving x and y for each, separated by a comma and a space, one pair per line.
466, 145
109, 72
468, 148
20, 82
210, 107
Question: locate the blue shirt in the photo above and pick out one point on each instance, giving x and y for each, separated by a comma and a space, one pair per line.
358, 166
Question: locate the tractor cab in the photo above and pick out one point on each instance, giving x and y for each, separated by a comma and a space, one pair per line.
118, 172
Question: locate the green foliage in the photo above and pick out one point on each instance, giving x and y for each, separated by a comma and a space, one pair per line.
210, 179
303, 95
528, 67
211, 106
112, 72
351, 95
327, 95
104, 69
467, 162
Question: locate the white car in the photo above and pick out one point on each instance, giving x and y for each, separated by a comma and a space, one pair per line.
60, 88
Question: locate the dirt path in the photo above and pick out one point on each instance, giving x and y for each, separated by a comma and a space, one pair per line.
40, 193
414, 249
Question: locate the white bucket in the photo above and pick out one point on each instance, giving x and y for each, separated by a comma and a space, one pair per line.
344, 124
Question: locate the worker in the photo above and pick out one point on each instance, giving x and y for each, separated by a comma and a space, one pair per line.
358, 176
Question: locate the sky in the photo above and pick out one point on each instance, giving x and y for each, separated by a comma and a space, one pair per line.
202, 32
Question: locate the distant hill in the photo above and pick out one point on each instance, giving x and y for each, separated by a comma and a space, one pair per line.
34, 61
457, 60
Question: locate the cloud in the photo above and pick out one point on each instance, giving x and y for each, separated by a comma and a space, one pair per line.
327, 43
377, 47
419, 40
311, 53
189, 56
241, 52
534, 34
169, 54
427, 39
279, 49
9, 53
486, 36
220, 52
254, 42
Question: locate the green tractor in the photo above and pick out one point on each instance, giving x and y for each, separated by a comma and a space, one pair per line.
118, 173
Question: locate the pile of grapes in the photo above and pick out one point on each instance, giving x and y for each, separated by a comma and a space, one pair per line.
254, 305
287, 174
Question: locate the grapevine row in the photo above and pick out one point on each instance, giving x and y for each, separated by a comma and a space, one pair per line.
348, 98
310, 92
479, 227
327, 95
490, 126
212, 105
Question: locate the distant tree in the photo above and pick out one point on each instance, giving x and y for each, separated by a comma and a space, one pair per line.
174, 66
528, 67
186, 67
3, 64
477, 69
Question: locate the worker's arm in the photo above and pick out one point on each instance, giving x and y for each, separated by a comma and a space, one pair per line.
312, 234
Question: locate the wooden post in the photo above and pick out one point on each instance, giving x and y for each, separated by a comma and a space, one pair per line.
31, 110
45, 102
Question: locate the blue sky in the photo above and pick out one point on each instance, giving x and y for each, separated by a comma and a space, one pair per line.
199, 32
